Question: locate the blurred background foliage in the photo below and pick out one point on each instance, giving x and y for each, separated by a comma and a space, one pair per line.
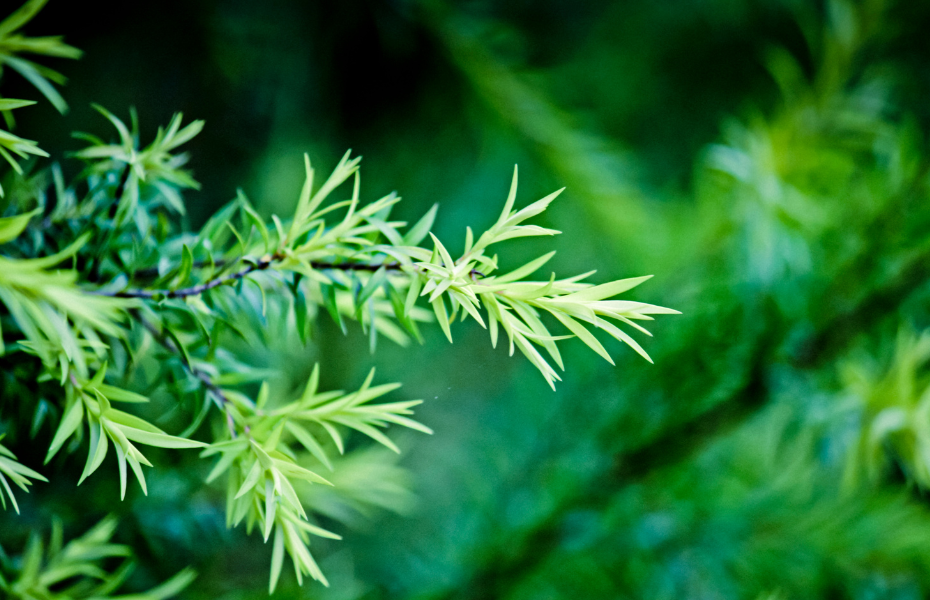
766, 160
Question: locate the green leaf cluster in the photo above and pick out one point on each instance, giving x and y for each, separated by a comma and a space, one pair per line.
20, 475
893, 404
75, 570
12, 44
90, 403
515, 304
154, 165
263, 466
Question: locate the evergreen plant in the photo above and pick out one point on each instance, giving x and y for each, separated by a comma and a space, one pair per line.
108, 302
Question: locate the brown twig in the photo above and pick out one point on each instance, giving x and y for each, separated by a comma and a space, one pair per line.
259, 265
200, 374
152, 272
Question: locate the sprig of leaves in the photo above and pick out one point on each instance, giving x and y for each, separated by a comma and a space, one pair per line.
90, 403
514, 304
466, 283
366, 255
893, 403
12, 44
60, 322
11, 144
263, 467
10, 470
75, 571
155, 165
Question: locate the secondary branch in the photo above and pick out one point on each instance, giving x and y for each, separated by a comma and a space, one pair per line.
254, 267
200, 374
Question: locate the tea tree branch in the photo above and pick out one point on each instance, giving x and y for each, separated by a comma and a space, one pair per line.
200, 374
259, 265
68, 297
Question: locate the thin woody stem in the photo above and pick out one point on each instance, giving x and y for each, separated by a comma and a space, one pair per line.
152, 272
200, 374
259, 265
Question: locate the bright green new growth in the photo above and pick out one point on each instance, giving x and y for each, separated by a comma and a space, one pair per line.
74, 571
10, 470
90, 402
516, 304
399, 268
93, 311
11, 144
153, 164
263, 463
895, 406
11, 45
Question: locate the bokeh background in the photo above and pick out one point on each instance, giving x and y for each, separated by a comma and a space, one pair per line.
767, 160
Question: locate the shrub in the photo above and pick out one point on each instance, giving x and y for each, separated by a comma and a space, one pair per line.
108, 302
